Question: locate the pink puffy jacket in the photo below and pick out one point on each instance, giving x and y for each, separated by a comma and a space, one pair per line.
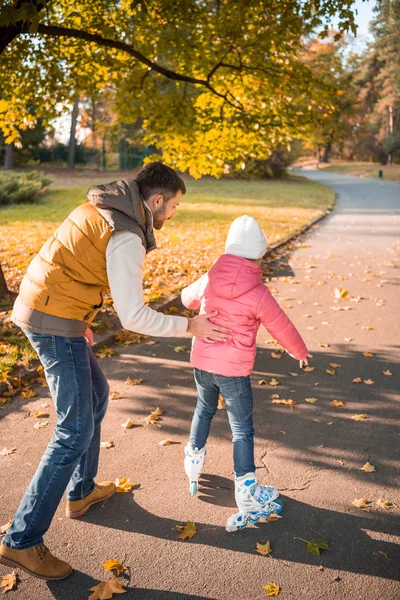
233, 287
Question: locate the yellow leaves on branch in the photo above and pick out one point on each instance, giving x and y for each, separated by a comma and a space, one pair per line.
8, 582
123, 485
187, 531
264, 549
105, 589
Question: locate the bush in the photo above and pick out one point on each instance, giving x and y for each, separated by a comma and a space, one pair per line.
16, 188
275, 167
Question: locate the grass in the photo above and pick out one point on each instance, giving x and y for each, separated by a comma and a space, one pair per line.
188, 244
363, 169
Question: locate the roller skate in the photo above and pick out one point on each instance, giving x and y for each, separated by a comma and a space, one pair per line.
254, 502
194, 461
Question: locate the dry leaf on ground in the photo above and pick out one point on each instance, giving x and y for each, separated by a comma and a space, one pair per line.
369, 381
28, 394
357, 380
8, 582
277, 355
114, 395
362, 503
368, 468
308, 369
385, 554
7, 451
128, 424
40, 424
311, 400
105, 590
335, 365
262, 382
388, 373
337, 403
181, 349
273, 382
167, 443
361, 417
154, 416
221, 403
108, 444
330, 371
130, 381
38, 414
4, 528
112, 564
368, 354
272, 589
288, 402
123, 485
272, 517
341, 293
187, 531
264, 549
385, 504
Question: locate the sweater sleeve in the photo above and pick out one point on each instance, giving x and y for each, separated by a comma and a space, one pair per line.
192, 294
125, 259
278, 324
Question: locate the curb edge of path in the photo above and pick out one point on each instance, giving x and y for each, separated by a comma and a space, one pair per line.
108, 339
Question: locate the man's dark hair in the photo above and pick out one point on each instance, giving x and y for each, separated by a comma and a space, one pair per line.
156, 178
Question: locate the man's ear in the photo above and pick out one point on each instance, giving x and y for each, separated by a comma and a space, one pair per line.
158, 200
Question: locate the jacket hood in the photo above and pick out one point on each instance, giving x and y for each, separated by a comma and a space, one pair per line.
232, 276
122, 206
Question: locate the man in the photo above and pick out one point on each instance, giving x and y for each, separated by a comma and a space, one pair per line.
100, 246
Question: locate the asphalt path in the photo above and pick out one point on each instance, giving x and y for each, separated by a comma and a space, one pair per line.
312, 452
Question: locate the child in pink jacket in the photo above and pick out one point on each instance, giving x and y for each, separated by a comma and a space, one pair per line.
233, 287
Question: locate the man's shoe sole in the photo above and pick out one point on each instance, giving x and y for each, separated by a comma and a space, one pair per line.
14, 564
76, 515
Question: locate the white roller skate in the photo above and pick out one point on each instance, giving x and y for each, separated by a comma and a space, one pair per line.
254, 502
194, 461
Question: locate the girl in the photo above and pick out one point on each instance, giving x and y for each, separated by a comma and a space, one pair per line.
233, 288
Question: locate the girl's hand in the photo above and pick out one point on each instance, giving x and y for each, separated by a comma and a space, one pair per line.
304, 362
89, 336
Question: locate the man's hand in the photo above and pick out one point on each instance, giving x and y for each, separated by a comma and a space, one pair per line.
204, 329
89, 336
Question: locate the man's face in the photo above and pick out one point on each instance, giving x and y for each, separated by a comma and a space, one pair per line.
163, 210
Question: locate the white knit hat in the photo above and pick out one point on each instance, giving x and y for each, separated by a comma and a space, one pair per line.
246, 239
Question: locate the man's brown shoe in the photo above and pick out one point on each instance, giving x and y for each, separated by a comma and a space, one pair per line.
101, 492
37, 561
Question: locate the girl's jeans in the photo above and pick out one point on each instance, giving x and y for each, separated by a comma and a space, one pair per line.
80, 393
238, 397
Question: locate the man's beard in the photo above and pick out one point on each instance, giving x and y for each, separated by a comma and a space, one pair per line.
159, 218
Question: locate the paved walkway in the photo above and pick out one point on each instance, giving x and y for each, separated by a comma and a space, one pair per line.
313, 453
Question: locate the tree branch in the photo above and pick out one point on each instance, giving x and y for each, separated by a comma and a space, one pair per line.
9, 32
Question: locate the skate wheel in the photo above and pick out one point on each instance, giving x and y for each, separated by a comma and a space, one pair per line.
193, 488
280, 506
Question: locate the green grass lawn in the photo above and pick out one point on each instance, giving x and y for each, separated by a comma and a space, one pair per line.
188, 244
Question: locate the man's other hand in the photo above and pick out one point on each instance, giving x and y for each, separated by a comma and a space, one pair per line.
203, 328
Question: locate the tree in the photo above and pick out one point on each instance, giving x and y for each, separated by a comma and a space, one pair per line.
211, 81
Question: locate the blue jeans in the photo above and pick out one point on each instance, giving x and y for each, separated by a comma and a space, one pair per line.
80, 393
236, 391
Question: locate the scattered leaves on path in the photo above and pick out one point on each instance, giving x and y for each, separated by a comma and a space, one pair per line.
105, 589
272, 589
368, 468
337, 403
128, 424
154, 416
264, 549
123, 485
112, 564
28, 394
362, 503
7, 451
8, 582
130, 381
187, 531
105, 352
335, 365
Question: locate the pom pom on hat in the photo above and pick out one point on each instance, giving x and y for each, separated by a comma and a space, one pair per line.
246, 239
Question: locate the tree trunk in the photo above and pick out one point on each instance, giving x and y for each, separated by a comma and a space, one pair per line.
72, 139
9, 157
327, 151
3, 285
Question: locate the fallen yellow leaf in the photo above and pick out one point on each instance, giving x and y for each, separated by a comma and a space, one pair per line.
273, 382
114, 395
277, 355
273, 517
362, 503
264, 549
323, 344
123, 485
357, 380
105, 589
308, 369
187, 531
285, 402
167, 443
385, 504
130, 381
388, 373
7, 451
8, 582
385, 554
38, 414
368, 468
128, 424
4, 528
28, 394
272, 589
369, 381
112, 564
181, 349
341, 293
108, 444
294, 374
335, 365
361, 417
40, 424
337, 403
311, 400
262, 382
330, 371
274, 396
221, 403
368, 354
